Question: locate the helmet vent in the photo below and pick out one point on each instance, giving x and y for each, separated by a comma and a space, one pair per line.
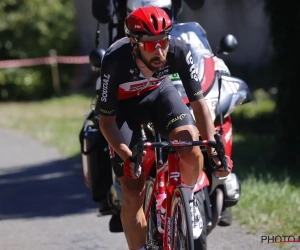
164, 23
154, 21
146, 26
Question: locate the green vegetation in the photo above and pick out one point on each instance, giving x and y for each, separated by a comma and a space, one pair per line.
284, 21
29, 29
270, 199
56, 121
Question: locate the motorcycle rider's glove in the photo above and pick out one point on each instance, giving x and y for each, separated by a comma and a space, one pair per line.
219, 170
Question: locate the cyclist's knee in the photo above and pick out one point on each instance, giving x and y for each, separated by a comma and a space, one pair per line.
185, 133
133, 190
191, 154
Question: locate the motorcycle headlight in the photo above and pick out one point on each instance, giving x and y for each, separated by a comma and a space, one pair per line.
236, 101
232, 190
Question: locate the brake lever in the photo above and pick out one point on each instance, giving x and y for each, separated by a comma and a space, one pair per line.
137, 155
221, 151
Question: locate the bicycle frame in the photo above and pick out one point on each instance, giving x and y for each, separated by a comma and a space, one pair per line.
174, 181
174, 176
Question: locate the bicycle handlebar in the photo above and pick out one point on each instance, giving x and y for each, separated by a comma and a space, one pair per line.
137, 151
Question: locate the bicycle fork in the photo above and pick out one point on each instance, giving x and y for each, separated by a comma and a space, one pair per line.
174, 180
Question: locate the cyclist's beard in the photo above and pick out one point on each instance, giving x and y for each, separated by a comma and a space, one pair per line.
148, 63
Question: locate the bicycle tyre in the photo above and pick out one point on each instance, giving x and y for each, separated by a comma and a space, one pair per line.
201, 242
152, 232
181, 222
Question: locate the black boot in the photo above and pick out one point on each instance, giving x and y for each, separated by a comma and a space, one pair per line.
104, 208
226, 218
115, 224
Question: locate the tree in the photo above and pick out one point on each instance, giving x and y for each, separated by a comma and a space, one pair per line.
285, 27
29, 29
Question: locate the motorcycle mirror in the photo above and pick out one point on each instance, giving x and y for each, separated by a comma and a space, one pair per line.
96, 56
228, 44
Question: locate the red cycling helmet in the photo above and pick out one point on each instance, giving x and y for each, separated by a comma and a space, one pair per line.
147, 21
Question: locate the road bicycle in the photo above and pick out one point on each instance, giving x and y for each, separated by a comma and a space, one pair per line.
176, 232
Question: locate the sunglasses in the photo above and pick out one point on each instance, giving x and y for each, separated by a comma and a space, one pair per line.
151, 46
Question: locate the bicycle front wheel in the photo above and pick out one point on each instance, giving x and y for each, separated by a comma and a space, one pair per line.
152, 232
181, 224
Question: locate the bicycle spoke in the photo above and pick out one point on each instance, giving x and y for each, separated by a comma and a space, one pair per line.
152, 232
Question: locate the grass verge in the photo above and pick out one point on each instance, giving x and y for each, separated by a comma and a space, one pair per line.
56, 121
270, 200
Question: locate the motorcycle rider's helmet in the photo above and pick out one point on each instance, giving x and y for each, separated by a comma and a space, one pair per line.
147, 21
166, 5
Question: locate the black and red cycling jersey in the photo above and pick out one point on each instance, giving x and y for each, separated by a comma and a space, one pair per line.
121, 78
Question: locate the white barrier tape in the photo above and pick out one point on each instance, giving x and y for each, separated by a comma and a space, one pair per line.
44, 60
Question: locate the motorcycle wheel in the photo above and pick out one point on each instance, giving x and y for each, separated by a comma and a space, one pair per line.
201, 242
217, 205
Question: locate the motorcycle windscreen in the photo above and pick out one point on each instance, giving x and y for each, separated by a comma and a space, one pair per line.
234, 92
194, 36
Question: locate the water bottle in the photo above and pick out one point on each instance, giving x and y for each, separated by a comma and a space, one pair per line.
163, 214
159, 201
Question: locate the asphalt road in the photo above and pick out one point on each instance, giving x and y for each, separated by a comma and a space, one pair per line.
44, 204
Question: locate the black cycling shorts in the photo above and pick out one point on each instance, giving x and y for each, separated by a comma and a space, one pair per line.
163, 107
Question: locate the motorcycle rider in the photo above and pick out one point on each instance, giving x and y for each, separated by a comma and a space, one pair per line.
135, 88
103, 11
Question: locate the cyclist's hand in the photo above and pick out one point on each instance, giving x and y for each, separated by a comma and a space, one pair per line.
128, 169
220, 172
214, 160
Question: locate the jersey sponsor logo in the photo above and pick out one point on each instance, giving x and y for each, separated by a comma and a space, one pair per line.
190, 62
198, 93
136, 87
179, 117
171, 113
109, 112
105, 87
174, 76
134, 78
161, 73
140, 83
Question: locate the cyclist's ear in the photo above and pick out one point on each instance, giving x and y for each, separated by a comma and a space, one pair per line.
133, 43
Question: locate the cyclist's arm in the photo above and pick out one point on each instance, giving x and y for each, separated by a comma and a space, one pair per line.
106, 106
111, 132
192, 86
204, 121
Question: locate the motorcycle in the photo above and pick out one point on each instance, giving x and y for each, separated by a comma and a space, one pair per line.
223, 93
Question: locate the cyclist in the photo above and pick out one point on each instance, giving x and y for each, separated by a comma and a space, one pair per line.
135, 88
